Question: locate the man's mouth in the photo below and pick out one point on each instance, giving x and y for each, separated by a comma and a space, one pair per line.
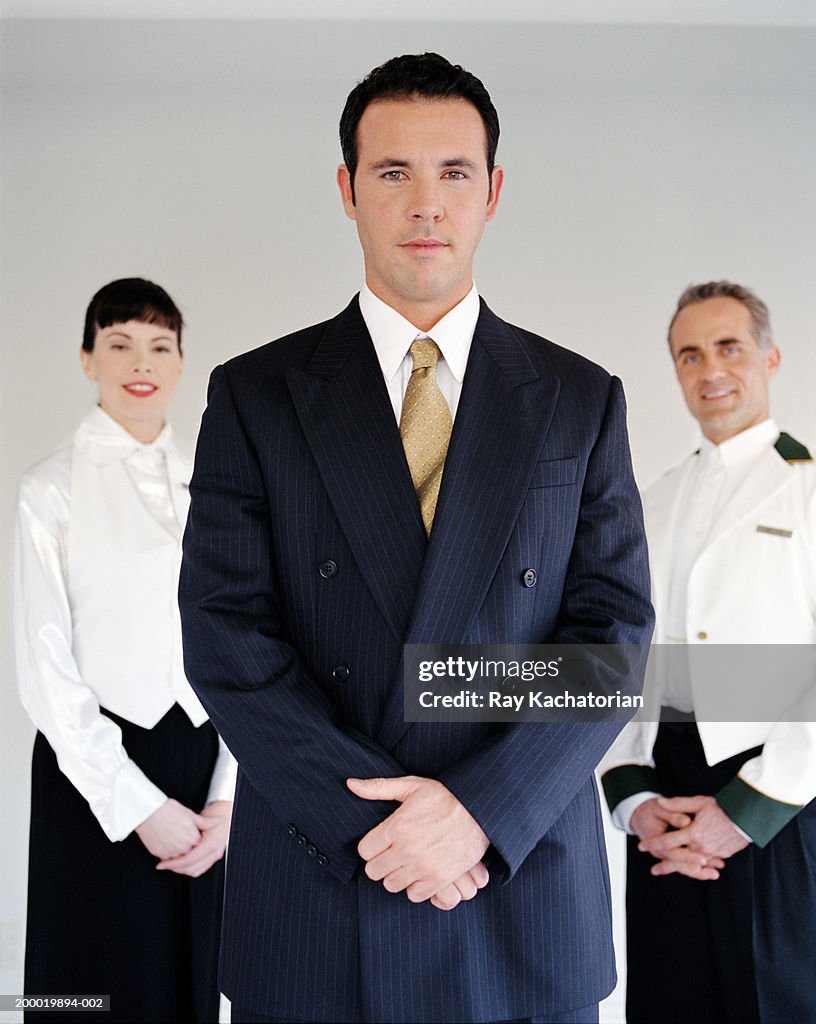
715, 393
424, 243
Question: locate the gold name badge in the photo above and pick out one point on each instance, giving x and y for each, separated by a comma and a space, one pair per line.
774, 531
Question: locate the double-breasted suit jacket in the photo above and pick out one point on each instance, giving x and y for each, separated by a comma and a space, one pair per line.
307, 569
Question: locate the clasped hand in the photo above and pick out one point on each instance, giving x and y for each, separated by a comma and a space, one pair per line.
690, 835
186, 842
430, 847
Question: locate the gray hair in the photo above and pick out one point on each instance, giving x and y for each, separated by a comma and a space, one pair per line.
760, 317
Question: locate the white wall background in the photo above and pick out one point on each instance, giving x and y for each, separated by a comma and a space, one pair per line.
201, 153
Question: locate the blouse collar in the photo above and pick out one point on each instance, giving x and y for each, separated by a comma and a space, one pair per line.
105, 441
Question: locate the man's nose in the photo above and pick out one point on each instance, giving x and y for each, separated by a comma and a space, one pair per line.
426, 204
712, 369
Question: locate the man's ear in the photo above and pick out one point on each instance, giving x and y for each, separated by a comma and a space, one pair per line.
87, 364
344, 184
496, 182
773, 357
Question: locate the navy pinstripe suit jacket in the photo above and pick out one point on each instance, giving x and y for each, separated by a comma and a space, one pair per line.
299, 463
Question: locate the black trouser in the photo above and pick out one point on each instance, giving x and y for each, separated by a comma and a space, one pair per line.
737, 950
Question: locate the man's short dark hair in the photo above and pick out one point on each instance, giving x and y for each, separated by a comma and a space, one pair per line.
424, 75
760, 317
130, 298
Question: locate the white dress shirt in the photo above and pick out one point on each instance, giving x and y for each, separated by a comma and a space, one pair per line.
392, 336
96, 619
718, 472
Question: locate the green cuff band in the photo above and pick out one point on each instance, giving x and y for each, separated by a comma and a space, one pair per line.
760, 816
628, 779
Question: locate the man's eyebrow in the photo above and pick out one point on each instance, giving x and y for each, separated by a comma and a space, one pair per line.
386, 162
460, 161
696, 348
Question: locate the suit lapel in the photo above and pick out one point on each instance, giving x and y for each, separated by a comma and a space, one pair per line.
348, 421
501, 423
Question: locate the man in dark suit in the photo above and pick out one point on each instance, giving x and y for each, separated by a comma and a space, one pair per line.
380, 870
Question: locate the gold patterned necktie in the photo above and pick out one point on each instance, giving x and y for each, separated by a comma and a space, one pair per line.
425, 427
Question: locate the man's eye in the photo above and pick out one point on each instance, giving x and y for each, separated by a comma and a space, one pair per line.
118, 346
393, 175
455, 175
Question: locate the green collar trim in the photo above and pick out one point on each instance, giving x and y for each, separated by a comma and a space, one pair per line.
789, 448
792, 450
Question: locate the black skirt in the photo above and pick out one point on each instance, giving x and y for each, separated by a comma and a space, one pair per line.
101, 919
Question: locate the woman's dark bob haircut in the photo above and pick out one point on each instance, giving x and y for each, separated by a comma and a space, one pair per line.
130, 298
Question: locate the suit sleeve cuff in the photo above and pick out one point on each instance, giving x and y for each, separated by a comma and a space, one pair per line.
626, 780
222, 783
760, 817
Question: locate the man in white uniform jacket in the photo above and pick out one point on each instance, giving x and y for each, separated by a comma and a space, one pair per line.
721, 866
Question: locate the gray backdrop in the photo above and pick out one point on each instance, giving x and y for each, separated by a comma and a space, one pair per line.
638, 158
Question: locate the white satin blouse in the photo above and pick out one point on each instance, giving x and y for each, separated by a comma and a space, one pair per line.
96, 623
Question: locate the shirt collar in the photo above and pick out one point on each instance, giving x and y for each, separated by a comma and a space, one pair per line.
748, 444
105, 441
392, 334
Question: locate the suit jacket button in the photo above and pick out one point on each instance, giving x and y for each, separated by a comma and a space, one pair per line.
291, 829
341, 673
529, 578
328, 569
322, 860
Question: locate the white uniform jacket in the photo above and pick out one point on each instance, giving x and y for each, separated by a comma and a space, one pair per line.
753, 583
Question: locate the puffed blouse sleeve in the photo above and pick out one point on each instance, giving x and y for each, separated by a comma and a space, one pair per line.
87, 744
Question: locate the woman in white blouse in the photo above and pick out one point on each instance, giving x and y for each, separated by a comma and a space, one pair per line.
131, 787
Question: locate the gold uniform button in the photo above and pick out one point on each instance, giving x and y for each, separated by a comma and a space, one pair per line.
702, 635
